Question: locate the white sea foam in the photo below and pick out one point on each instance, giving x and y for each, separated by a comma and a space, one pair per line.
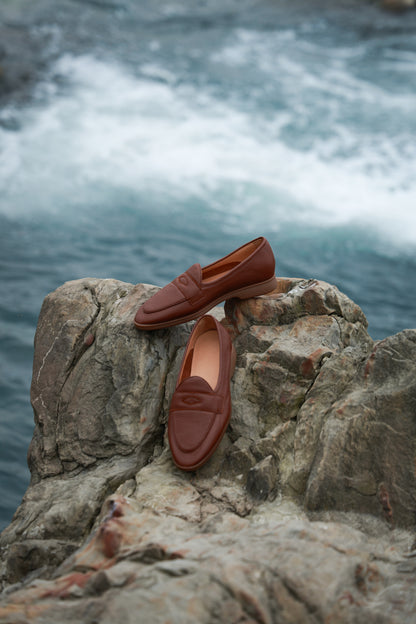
147, 134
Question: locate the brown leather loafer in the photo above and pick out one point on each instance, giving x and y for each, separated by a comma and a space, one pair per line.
246, 272
200, 409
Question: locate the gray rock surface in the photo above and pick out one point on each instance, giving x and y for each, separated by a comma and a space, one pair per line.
305, 513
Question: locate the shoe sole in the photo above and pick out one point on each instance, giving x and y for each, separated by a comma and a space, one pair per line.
256, 290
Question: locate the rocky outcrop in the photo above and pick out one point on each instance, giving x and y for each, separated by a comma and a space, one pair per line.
305, 513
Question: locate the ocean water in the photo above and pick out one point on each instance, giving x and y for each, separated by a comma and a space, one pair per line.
161, 134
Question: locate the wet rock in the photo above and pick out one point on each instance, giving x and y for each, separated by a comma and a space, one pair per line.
306, 511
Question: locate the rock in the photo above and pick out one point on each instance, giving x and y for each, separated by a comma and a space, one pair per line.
365, 449
305, 513
97, 407
225, 569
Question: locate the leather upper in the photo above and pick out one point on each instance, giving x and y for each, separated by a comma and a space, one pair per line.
199, 414
190, 292
186, 288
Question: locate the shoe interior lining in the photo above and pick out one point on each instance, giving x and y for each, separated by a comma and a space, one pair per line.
215, 273
206, 358
220, 268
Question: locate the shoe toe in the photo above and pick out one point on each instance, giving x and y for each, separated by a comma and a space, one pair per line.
190, 430
188, 436
141, 317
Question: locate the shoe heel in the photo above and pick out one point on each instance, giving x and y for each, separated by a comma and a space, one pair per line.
256, 289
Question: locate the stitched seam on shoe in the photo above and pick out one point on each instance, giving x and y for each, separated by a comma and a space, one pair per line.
198, 294
215, 408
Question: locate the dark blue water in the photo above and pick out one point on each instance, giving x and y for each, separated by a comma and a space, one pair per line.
157, 136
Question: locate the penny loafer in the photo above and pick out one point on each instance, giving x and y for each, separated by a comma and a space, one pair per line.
249, 271
200, 409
